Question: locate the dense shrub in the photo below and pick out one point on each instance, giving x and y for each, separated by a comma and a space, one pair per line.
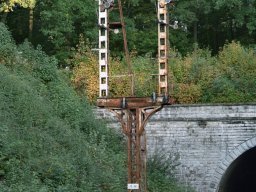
86, 74
86, 81
6, 49
160, 173
49, 138
228, 77
191, 75
235, 78
196, 78
145, 75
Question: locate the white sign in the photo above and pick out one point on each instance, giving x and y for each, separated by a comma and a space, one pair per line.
133, 186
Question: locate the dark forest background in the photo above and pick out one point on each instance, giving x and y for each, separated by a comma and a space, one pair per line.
212, 52
205, 24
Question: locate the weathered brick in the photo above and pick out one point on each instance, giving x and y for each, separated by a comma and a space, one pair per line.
207, 138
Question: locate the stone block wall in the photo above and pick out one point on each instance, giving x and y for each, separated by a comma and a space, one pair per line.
204, 139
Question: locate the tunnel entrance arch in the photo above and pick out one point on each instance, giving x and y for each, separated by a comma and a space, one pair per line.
237, 172
241, 174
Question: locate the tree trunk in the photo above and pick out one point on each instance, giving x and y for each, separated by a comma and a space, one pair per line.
195, 35
231, 30
3, 17
31, 19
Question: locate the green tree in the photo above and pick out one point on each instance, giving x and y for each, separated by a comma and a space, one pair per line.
142, 17
239, 18
7, 6
235, 78
62, 22
212, 23
10, 5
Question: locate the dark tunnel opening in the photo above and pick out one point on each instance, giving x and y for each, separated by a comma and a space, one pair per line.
241, 174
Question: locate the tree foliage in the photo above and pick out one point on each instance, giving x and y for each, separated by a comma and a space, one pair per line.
9, 5
86, 73
197, 77
235, 79
209, 24
50, 140
228, 77
63, 21
86, 78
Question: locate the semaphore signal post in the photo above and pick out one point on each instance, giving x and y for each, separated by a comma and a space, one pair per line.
133, 112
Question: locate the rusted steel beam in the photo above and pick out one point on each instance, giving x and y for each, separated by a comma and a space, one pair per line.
133, 102
129, 147
133, 123
138, 122
126, 50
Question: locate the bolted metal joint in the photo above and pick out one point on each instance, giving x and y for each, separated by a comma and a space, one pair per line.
154, 97
124, 103
165, 99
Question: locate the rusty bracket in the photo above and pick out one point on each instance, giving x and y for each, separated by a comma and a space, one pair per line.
133, 113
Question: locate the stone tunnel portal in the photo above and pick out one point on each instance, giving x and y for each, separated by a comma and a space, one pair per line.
241, 174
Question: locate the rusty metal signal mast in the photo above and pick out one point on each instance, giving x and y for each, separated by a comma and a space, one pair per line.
133, 112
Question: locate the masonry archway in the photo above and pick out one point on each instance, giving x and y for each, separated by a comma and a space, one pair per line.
241, 174
238, 171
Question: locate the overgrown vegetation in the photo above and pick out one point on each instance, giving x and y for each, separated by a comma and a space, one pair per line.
85, 74
161, 167
198, 77
49, 138
226, 78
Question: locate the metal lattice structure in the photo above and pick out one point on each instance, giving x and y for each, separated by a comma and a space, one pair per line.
163, 41
133, 112
103, 50
105, 26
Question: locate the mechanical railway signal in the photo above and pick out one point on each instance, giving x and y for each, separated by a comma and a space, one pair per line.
133, 112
